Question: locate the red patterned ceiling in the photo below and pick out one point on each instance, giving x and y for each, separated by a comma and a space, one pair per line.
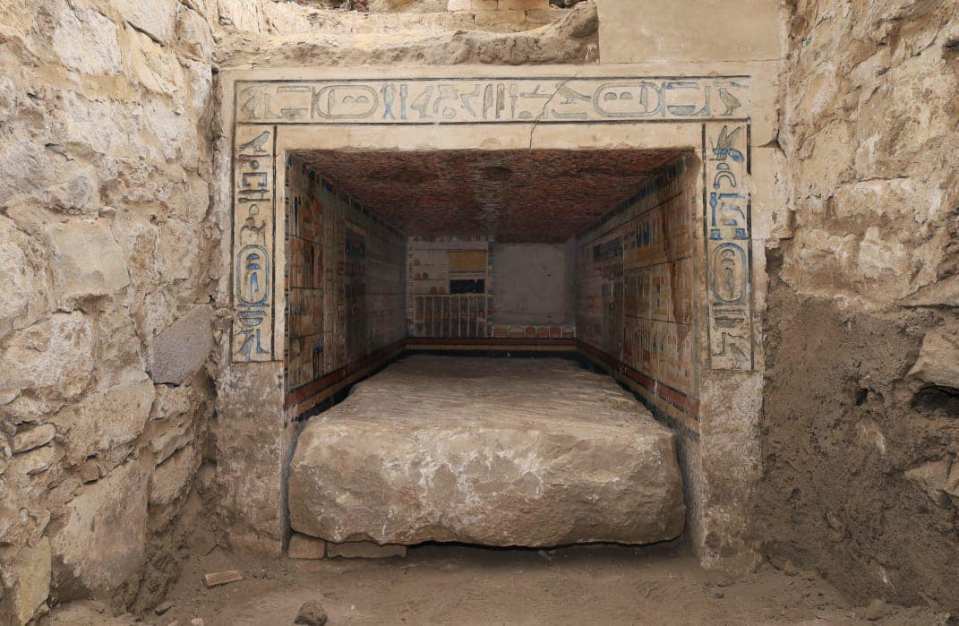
517, 196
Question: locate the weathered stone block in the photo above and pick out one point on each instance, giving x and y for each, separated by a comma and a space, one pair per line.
938, 361
155, 18
305, 547
105, 420
32, 587
497, 454
22, 279
182, 348
523, 5
87, 260
34, 462
172, 478
154, 66
240, 14
33, 438
55, 356
364, 550
86, 41
102, 541
194, 34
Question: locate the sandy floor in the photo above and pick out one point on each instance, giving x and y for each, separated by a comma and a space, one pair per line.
470, 586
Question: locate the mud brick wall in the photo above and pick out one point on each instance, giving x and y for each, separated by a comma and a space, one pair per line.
345, 279
635, 289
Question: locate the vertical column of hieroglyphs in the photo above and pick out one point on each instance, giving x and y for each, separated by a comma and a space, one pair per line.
253, 232
726, 154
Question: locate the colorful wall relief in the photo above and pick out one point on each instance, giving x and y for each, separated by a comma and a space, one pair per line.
345, 279
635, 289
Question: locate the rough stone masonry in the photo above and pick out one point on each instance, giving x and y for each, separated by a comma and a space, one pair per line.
115, 274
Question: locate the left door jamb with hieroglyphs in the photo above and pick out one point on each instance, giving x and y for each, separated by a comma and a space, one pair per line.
254, 231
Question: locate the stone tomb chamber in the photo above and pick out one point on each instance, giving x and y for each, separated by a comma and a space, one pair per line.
389, 253
391, 235
597, 311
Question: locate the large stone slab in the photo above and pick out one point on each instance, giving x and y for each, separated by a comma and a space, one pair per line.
487, 451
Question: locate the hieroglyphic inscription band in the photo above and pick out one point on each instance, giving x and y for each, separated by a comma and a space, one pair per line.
494, 100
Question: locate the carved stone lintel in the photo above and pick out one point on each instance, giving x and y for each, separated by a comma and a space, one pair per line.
493, 100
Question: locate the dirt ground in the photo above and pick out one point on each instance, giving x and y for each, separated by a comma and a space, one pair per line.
465, 586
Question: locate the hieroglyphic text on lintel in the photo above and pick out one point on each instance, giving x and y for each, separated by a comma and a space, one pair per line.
493, 100
728, 278
253, 216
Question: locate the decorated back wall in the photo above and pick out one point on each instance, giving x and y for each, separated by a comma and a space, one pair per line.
478, 288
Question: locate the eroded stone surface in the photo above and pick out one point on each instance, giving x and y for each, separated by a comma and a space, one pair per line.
87, 260
365, 550
938, 362
106, 421
493, 452
306, 547
32, 587
102, 542
182, 348
53, 357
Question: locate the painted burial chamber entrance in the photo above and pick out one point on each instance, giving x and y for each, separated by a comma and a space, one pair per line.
536, 287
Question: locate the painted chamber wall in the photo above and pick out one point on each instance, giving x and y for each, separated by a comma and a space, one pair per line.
635, 289
478, 288
345, 279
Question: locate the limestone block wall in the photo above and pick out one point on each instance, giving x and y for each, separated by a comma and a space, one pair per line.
106, 325
860, 437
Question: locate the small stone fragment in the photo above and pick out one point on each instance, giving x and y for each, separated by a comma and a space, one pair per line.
364, 550
215, 579
89, 472
875, 610
311, 614
306, 547
34, 438
163, 607
36, 461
